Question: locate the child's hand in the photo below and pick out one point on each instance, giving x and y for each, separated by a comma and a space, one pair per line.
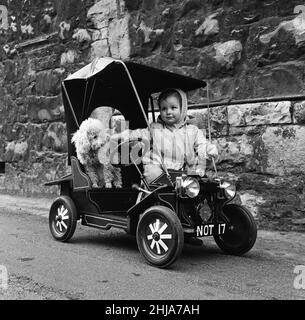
123, 136
115, 137
212, 151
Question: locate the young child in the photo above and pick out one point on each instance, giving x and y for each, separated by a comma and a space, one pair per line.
181, 145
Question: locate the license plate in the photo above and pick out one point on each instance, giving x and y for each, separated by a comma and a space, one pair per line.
206, 230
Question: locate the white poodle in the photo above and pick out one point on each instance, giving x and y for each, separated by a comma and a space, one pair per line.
93, 148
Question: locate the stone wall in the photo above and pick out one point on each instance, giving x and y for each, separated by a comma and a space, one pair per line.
244, 49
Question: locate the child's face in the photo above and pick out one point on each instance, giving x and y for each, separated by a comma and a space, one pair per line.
170, 110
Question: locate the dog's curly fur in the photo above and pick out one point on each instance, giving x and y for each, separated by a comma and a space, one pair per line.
92, 148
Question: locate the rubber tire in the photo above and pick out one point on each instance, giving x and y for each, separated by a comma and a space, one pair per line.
245, 219
68, 203
166, 215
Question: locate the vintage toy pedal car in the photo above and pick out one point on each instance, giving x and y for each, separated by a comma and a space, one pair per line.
160, 214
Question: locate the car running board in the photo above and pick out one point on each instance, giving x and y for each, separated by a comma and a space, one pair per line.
105, 221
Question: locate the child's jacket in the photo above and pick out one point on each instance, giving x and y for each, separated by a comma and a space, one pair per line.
181, 146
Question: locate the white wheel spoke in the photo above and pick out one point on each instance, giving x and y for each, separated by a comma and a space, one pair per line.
163, 228
163, 245
152, 244
166, 236
157, 228
57, 223
157, 225
158, 247
65, 212
65, 217
152, 229
60, 227
64, 225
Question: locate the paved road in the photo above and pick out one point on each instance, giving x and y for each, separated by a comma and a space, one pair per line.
107, 265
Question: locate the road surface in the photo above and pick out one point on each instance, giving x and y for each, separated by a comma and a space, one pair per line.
108, 266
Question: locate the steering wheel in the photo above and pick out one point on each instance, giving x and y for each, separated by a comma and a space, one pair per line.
129, 150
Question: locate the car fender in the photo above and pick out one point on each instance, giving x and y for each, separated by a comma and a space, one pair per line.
140, 207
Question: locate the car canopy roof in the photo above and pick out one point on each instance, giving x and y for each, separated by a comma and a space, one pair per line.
125, 86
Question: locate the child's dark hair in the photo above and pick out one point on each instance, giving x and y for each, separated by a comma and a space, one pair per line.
169, 92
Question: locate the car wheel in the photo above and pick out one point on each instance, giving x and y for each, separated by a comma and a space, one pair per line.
62, 218
241, 233
160, 236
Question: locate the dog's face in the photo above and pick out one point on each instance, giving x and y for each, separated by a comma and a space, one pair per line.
90, 136
97, 137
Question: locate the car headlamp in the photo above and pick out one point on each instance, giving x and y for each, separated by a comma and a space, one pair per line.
229, 189
191, 187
